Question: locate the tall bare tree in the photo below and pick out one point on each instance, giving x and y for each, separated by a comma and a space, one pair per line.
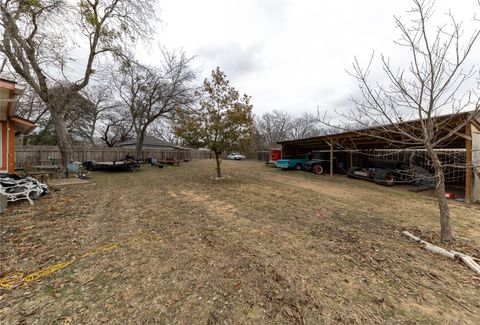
272, 127
32, 107
102, 102
163, 129
38, 38
275, 126
304, 126
85, 110
433, 85
78, 117
116, 126
149, 93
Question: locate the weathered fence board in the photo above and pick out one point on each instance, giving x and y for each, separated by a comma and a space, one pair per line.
45, 154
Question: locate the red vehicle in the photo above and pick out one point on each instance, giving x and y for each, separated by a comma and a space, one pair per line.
274, 156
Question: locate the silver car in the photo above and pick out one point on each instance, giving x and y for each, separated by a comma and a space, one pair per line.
235, 156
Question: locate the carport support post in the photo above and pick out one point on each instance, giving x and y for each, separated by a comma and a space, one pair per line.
331, 158
468, 163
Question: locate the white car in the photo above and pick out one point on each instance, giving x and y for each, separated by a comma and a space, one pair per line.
235, 156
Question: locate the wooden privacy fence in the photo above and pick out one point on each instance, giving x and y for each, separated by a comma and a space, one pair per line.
46, 154
263, 155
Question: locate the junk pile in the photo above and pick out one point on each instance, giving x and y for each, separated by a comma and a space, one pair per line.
27, 188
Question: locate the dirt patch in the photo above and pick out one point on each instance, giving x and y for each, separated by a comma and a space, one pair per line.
405, 207
67, 181
263, 246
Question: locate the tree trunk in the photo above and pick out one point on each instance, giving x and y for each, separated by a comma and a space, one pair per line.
63, 138
445, 227
217, 159
139, 147
92, 132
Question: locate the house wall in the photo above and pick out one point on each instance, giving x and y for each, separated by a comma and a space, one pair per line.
7, 130
2, 159
7, 147
11, 147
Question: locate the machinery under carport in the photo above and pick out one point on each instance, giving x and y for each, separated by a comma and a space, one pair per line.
460, 155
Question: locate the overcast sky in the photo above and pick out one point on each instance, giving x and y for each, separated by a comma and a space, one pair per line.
290, 55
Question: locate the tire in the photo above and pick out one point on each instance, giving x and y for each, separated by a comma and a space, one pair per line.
318, 169
88, 165
351, 171
385, 178
34, 195
298, 166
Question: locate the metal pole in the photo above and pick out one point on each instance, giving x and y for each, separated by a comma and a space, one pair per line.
468, 162
331, 158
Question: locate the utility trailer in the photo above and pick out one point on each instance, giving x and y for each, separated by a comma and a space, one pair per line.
118, 166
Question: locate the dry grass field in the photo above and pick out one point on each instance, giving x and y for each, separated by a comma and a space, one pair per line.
265, 246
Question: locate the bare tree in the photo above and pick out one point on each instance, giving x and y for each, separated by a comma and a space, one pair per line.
115, 127
432, 86
78, 117
102, 102
273, 127
152, 93
38, 38
85, 111
32, 108
163, 129
304, 126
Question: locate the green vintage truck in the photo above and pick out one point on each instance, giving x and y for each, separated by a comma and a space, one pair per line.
293, 163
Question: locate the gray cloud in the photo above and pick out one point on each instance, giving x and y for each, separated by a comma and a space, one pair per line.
293, 55
235, 60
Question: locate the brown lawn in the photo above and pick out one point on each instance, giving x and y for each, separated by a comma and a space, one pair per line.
172, 246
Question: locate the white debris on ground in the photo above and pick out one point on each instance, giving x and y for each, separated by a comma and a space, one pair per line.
27, 188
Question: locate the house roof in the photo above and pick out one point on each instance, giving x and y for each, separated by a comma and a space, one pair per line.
10, 93
149, 141
22, 125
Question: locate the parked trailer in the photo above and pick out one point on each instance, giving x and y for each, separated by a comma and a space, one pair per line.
124, 165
